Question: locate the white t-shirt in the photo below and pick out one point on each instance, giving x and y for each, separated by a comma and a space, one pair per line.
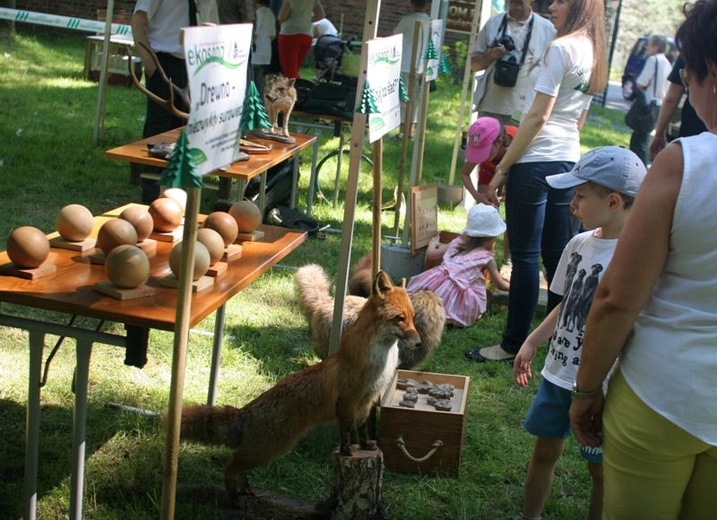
166, 18
264, 32
493, 98
581, 265
655, 89
324, 26
670, 361
406, 26
564, 74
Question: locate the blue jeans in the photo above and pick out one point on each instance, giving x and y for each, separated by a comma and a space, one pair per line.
538, 219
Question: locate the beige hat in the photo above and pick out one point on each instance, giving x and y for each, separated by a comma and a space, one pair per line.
484, 221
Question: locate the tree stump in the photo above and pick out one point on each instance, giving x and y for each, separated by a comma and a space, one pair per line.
357, 486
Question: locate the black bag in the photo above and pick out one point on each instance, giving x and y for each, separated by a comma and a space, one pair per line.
331, 99
506, 73
642, 116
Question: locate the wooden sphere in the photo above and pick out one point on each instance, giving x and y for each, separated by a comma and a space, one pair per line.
127, 266
27, 247
166, 214
178, 195
115, 232
140, 218
224, 224
74, 223
247, 215
201, 260
214, 243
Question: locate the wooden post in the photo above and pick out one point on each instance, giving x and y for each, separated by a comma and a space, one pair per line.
377, 203
357, 134
179, 354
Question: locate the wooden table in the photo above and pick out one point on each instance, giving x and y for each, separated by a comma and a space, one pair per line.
242, 171
70, 289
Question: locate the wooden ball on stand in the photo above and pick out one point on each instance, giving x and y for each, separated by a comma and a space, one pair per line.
140, 218
224, 224
27, 247
115, 232
247, 215
74, 223
201, 260
166, 214
127, 266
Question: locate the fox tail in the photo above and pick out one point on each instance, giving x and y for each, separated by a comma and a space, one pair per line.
218, 425
313, 289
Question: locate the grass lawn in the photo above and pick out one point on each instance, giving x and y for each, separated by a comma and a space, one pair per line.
48, 160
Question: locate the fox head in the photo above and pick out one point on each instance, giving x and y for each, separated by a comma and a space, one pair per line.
394, 310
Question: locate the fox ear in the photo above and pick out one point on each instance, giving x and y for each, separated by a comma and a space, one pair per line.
382, 283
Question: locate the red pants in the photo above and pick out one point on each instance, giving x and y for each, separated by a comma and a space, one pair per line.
293, 48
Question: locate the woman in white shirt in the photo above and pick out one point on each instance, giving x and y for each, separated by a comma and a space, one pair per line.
547, 143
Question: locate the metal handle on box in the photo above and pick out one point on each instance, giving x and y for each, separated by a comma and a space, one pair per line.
434, 448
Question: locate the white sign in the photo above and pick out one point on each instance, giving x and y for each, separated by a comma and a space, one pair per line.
383, 75
436, 38
217, 58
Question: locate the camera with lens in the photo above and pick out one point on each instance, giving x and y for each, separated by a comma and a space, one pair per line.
506, 41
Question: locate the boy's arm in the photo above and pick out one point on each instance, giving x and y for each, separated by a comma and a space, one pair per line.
466, 171
542, 333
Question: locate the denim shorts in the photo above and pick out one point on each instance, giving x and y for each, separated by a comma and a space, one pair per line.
548, 417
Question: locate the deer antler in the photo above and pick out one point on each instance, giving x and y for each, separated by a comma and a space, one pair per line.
168, 104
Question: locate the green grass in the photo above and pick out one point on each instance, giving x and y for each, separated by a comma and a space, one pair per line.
48, 160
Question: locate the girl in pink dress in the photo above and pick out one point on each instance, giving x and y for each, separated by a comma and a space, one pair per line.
460, 278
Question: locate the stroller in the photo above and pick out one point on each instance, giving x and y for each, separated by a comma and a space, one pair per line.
329, 53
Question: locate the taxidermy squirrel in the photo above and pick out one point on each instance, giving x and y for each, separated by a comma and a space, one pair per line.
342, 387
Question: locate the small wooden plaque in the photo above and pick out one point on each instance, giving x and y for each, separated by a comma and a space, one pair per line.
43, 269
112, 290
217, 269
250, 237
424, 215
168, 236
198, 285
84, 245
149, 246
232, 252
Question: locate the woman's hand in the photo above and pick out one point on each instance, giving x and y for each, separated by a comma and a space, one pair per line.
586, 419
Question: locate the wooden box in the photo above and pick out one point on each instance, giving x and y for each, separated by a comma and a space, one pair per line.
422, 439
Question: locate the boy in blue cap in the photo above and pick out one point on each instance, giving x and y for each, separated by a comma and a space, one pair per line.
606, 181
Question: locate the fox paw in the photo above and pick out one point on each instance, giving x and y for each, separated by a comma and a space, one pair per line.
369, 445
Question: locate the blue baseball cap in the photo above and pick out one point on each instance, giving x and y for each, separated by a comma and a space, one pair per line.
614, 167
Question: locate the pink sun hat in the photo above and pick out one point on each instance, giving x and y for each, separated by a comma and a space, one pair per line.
481, 135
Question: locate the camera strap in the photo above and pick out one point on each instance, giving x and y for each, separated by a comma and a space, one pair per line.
504, 26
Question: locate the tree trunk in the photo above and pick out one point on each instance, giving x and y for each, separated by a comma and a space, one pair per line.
357, 486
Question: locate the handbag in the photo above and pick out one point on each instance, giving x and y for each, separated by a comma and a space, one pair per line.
506, 71
642, 116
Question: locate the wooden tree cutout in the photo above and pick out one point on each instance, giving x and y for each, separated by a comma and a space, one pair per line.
181, 169
254, 116
367, 104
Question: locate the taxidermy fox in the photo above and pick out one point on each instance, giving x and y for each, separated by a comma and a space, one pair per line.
344, 387
317, 305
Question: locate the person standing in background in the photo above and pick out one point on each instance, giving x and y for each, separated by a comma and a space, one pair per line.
157, 24
264, 33
505, 36
690, 123
653, 82
236, 11
406, 26
296, 33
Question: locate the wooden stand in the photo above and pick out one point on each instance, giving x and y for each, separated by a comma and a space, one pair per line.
148, 245
168, 236
205, 282
232, 252
111, 289
44, 269
84, 245
217, 269
250, 237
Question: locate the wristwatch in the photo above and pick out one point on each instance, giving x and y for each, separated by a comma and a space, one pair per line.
579, 394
